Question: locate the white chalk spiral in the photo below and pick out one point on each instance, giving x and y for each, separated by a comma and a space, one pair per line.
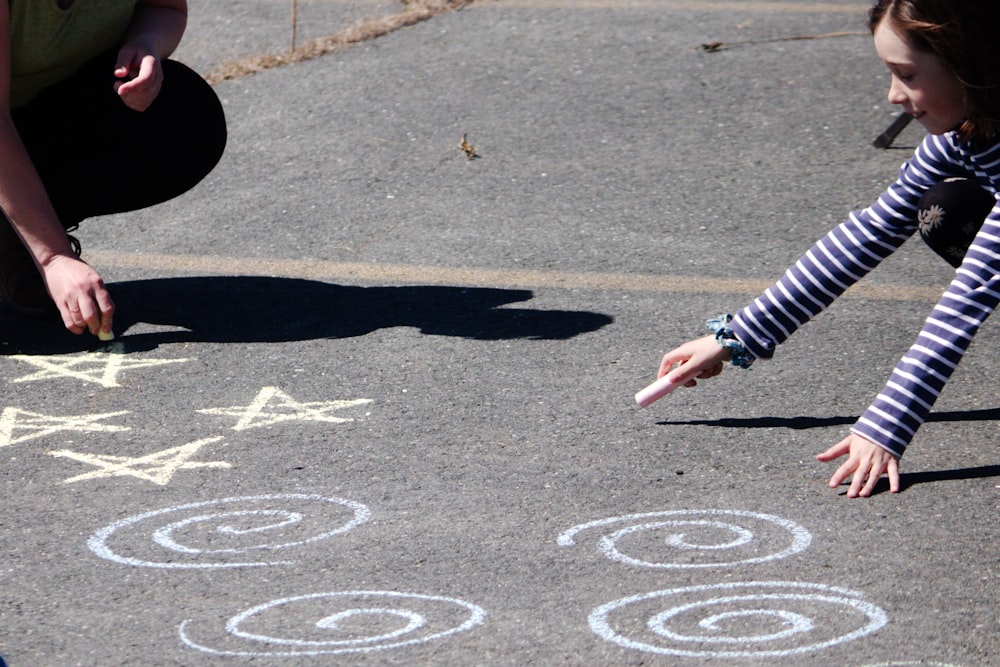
695, 538
219, 533
335, 623
742, 619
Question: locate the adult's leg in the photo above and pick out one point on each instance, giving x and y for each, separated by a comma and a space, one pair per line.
96, 156
21, 286
951, 214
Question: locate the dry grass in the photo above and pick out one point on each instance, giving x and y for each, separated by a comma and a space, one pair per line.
414, 12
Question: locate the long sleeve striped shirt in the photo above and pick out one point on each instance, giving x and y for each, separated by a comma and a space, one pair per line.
856, 247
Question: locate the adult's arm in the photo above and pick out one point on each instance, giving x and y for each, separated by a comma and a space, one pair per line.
76, 288
156, 30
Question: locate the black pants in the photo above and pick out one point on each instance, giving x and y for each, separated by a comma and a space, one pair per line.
96, 156
951, 214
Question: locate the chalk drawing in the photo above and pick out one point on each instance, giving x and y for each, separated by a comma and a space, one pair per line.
33, 425
273, 406
725, 540
158, 467
338, 623
97, 367
738, 620
219, 533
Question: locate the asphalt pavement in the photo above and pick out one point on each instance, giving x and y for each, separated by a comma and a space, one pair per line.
370, 400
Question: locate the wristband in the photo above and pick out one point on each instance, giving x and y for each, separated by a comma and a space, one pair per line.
724, 336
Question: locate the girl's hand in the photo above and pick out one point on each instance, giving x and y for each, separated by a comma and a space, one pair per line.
79, 293
867, 461
140, 77
698, 359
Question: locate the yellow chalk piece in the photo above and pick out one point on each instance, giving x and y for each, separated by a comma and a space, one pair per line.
105, 335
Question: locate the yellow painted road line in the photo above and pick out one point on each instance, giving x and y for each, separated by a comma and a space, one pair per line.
474, 277
686, 6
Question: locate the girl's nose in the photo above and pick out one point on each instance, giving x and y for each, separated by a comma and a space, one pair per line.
896, 94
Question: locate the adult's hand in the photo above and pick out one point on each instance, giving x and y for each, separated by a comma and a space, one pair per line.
80, 295
139, 76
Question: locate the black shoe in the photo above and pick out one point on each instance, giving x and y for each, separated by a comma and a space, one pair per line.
21, 285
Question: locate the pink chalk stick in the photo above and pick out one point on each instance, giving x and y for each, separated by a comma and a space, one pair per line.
655, 391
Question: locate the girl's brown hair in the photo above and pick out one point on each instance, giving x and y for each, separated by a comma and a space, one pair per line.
963, 34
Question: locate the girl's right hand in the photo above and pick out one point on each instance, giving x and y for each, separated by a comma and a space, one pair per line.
701, 358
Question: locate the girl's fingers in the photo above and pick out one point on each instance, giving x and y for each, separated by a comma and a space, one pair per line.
842, 473
874, 474
711, 372
857, 482
670, 359
894, 475
835, 452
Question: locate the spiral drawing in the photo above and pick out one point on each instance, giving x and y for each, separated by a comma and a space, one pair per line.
735, 620
695, 538
223, 533
335, 623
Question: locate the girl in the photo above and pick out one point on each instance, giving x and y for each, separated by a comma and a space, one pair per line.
946, 73
93, 120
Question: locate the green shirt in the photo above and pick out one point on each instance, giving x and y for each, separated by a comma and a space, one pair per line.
49, 44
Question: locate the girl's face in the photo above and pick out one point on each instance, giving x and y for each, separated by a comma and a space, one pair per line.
921, 83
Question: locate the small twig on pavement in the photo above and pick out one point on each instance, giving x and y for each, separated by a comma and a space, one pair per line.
712, 47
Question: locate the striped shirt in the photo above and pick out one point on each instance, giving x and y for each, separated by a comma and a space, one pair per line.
856, 247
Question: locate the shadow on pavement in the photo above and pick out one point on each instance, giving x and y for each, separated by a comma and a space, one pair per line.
797, 423
906, 480
802, 422
254, 309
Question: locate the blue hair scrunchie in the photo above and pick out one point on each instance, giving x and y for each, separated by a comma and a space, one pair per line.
739, 355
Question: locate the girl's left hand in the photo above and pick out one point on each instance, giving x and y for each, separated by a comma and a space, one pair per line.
140, 77
867, 461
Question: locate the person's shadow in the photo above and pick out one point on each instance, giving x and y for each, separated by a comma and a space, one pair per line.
250, 309
906, 479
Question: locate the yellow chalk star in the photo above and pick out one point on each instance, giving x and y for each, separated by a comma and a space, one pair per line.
158, 467
272, 406
98, 367
36, 425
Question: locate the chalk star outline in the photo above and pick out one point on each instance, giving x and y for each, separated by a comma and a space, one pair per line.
41, 425
157, 467
114, 361
284, 409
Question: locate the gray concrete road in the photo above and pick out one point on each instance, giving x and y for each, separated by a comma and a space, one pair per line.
371, 401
